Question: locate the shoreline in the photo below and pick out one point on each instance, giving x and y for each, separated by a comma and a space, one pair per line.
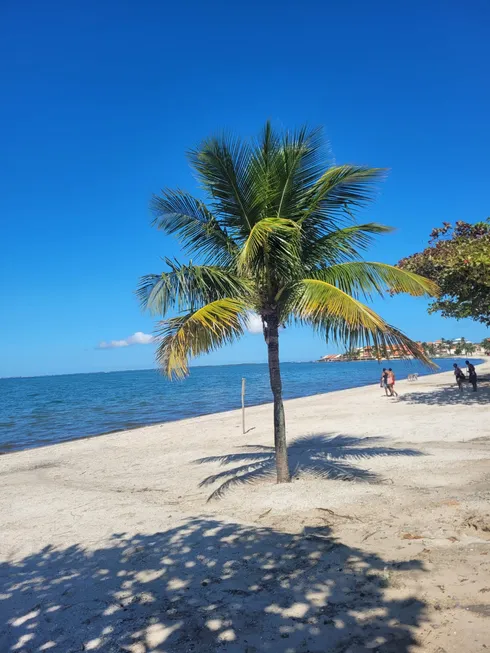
484, 361
194, 367
149, 424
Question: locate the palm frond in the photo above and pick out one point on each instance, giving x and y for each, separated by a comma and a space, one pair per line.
342, 318
344, 185
199, 332
306, 155
282, 169
222, 164
178, 213
318, 300
263, 175
363, 278
338, 245
186, 286
338, 192
273, 243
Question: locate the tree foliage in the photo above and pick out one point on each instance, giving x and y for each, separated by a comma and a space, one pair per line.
277, 236
458, 260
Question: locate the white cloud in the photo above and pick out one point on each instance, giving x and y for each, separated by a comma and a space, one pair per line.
254, 323
138, 338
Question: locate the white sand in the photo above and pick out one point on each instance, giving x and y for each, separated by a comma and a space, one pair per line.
109, 544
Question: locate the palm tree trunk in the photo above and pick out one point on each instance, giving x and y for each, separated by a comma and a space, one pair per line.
272, 340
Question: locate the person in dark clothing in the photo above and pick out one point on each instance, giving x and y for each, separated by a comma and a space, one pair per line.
472, 375
384, 380
460, 377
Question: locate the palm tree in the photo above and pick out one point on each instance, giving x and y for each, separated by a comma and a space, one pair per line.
278, 239
469, 348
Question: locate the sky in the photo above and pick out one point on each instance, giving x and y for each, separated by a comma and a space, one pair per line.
100, 99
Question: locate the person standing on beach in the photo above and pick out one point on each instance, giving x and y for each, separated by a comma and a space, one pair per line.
472, 375
391, 383
384, 380
460, 377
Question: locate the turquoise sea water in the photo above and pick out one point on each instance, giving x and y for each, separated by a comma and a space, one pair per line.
44, 410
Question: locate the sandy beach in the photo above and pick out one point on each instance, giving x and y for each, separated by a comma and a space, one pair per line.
175, 538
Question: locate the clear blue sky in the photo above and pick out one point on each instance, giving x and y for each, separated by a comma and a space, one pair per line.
100, 100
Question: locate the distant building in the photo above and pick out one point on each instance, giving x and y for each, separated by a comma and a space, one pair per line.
369, 353
393, 352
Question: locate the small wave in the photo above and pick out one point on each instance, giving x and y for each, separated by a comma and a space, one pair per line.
39, 416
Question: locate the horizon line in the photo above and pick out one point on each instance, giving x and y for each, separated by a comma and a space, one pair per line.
156, 369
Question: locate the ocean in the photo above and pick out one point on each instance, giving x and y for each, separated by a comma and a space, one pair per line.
37, 411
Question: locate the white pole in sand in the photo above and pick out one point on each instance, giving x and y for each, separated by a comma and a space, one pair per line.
243, 405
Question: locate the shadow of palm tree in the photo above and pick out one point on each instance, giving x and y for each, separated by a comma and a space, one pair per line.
321, 456
450, 395
204, 586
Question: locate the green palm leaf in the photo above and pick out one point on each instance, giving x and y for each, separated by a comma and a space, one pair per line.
365, 278
178, 213
341, 317
186, 286
272, 242
340, 188
222, 166
283, 168
199, 332
340, 244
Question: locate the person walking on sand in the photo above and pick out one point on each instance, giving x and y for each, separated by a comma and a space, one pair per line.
472, 375
391, 383
384, 380
460, 377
